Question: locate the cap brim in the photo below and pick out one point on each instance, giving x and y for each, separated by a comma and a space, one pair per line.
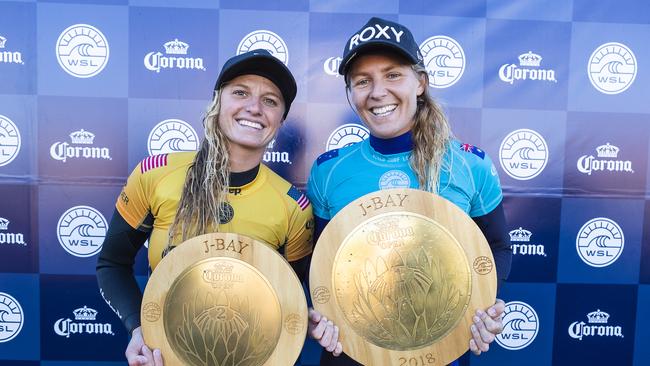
373, 46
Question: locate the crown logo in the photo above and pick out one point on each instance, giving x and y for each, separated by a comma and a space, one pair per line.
85, 313
4, 223
223, 268
598, 317
520, 234
176, 47
82, 137
3, 40
530, 59
607, 151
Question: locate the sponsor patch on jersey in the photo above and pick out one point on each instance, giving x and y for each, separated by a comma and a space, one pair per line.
327, 156
153, 162
299, 197
473, 149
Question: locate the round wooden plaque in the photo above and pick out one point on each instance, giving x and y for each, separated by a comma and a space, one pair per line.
401, 272
224, 299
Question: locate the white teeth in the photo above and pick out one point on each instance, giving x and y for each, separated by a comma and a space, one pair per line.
251, 124
383, 111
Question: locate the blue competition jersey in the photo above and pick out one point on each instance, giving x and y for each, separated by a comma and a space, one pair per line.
467, 177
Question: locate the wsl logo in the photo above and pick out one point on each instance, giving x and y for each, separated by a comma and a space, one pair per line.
9, 141
444, 59
597, 326
275, 156
81, 231
600, 242
266, 40
394, 179
346, 135
84, 323
172, 135
612, 68
80, 146
331, 66
9, 237
521, 245
176, 58
82, 51
11, 317
9, 57
528, 69
607, 161
523, 154
520, 326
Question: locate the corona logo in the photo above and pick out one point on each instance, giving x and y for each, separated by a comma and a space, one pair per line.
444, 60
612, 68
80, 146
9, 57
600, 242
528, 69
606, 160
266, 40
9, 237
394, 179
82, 324
9, 140
172, 135
82, 51
81, 231
176, 58
520, 326
331, 66
11, 317
597, 325
271, 156
346, 135
521, 245
523, 154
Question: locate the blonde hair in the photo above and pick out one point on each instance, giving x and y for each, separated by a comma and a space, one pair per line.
205, 191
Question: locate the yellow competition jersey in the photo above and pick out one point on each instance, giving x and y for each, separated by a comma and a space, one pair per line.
268, 209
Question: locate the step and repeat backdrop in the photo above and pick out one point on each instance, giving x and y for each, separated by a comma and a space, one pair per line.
556, 92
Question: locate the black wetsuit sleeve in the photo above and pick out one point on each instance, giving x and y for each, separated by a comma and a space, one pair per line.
319, 226
493, 226
115, 276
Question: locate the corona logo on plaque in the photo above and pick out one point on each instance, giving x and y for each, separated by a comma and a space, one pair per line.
596, 326
80, 146
8, 56
520, 326
612, 68
7, 237
331, 66
528, 69
394, 179
84, 323
266, 40
523, 154
606, 160
175, 58
271, 156
521, 244
600, 242
82, 51
11, 317
346, 135
9, 140
172, 135
444, 60
81, 231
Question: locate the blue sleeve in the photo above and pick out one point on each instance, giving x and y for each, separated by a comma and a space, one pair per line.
487, 188
316, 195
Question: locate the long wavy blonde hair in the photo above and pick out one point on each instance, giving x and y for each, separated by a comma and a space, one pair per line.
205, 190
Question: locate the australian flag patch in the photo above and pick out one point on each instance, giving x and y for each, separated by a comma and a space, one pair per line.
473, 149
299, 197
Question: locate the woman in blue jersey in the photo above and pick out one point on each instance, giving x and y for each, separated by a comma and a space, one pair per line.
410, 145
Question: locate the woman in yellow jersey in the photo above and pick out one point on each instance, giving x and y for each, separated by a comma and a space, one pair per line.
223, 187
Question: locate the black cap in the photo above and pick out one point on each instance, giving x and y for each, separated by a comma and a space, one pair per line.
381, 34
261, 62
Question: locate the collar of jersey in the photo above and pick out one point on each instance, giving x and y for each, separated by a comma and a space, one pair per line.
400, 147
251, 186
393, 145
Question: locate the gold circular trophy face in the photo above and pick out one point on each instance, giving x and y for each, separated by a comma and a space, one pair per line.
401, 272
224, 299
